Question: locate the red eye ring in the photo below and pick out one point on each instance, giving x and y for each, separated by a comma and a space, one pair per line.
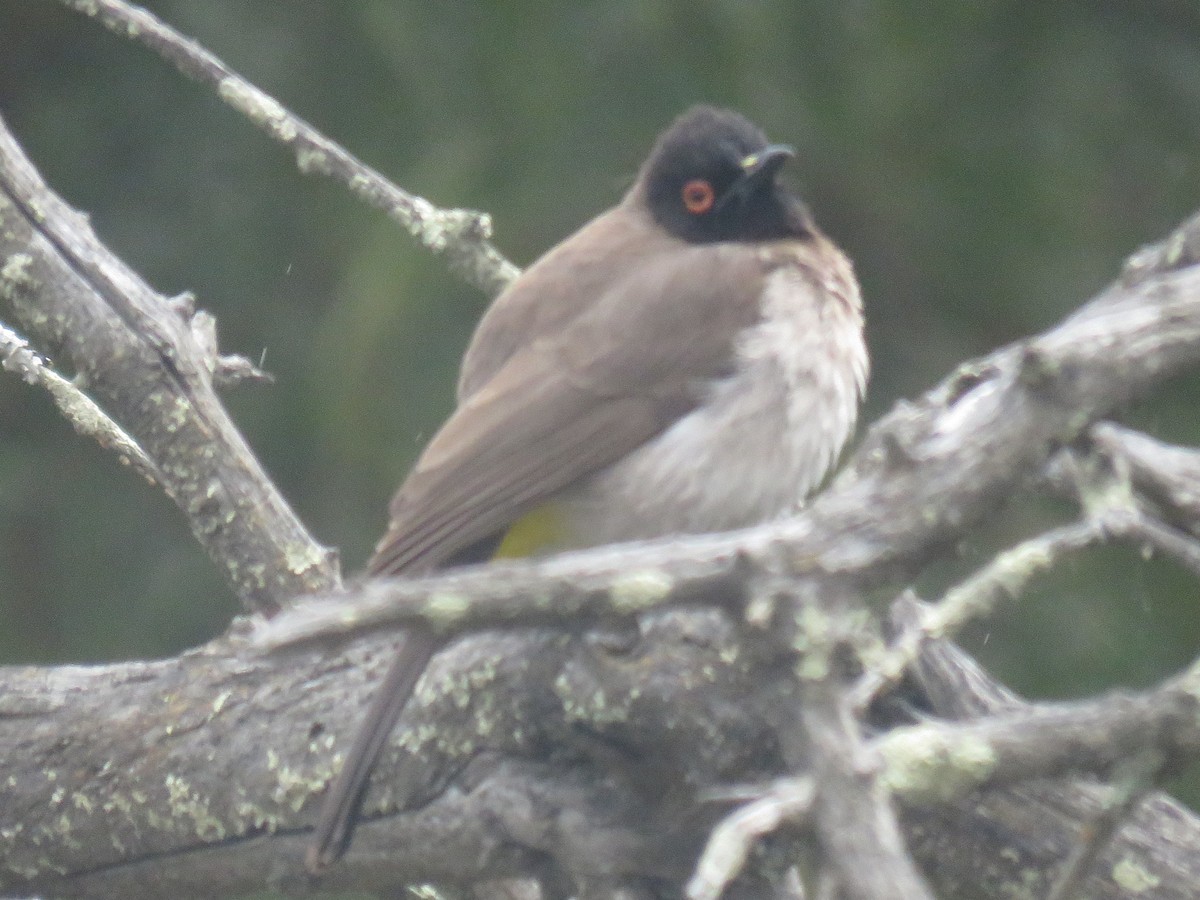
698, 196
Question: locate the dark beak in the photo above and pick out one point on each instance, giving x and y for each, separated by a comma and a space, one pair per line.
758, 173
761, 166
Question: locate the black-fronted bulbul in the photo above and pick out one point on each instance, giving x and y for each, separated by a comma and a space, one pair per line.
691, 360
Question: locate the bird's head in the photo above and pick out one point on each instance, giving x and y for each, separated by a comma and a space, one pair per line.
712, 177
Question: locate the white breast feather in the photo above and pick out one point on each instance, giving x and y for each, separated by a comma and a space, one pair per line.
766, 435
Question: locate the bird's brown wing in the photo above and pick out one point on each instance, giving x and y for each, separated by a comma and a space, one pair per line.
558, 288
568, 405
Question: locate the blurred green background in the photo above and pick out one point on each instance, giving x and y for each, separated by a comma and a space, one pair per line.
988, 165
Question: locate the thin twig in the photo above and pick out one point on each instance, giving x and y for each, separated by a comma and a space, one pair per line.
1169, 476
572, 589
459, 235
975, 598
1112, 512
1107, 480
729, 845
85, 416
1137, 525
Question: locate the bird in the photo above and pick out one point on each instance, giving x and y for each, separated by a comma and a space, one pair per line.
691, 360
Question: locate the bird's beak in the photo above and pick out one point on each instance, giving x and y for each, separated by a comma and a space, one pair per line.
762, 166
757, 173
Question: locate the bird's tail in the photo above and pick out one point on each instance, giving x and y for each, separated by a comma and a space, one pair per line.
339, 812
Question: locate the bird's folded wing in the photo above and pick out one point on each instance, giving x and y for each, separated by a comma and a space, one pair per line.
565, 406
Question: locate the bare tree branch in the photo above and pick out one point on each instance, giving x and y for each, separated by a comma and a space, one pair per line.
950, 760
138, 355
1168, 476
461, 236
853, 816
208, 793
1114, 516
1002, 578
1044, 824
786, 802
78, 408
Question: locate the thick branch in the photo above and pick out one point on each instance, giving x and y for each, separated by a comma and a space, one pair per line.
1041, 823
950, 760
197, 776
930, 469
853, 817
139, 358
205, 769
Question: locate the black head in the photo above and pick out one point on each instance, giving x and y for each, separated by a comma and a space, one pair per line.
711, 177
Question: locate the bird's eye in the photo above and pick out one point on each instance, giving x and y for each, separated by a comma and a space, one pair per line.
698, 196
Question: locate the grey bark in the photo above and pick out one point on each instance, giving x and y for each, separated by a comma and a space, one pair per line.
138, 355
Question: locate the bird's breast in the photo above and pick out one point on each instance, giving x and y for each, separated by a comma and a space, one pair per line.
762, 438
